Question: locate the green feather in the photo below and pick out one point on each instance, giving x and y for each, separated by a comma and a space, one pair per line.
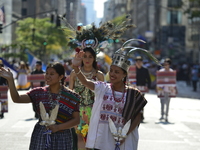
144, 51
127, 42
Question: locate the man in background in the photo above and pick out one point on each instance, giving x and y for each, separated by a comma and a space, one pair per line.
38, 70
142, 77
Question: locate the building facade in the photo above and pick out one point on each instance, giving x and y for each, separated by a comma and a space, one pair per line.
163, 25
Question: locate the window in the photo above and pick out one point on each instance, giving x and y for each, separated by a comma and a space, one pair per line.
24, 12
194, 4
174, 3
174, 17
194, 34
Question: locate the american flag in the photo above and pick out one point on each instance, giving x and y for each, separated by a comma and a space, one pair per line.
2, 15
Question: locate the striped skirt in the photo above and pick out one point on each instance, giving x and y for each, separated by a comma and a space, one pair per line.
66, 140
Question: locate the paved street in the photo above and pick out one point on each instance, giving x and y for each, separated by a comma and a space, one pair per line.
181, 133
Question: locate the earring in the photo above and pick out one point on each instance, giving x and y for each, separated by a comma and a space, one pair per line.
60, 82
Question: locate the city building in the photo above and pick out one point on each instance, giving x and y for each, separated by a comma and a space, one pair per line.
163, 24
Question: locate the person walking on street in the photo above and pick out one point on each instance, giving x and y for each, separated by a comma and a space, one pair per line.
165, 100
142, 78
194, 77
4, 83
58, 136
38, 70
22, 74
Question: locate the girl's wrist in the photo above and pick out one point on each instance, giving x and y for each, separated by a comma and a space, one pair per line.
74, 66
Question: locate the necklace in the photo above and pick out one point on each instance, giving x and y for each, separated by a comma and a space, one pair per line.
53, 103
88, 75
118, 100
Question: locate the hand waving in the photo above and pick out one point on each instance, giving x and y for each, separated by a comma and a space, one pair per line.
7, 74
77, 60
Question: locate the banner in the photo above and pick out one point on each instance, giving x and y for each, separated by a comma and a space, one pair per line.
166, 83
3, 98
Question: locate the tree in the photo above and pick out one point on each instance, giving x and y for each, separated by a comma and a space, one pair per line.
41, 37
192, 9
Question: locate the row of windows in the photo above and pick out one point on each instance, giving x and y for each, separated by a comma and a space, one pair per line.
174, 3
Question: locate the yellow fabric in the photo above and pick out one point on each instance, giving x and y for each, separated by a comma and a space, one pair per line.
28, 84
107, 59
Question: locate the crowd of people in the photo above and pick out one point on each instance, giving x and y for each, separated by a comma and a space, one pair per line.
84, 110
87, 86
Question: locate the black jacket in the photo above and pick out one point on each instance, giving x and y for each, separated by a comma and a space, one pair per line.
143, 77
3, 81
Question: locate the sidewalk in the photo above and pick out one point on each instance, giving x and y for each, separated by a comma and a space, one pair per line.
185, 90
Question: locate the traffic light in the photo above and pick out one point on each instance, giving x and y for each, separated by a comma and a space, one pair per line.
58, 23
1, 28
45, 43
52, 18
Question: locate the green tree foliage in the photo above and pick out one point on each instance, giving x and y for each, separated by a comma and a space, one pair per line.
41, 37
193, 9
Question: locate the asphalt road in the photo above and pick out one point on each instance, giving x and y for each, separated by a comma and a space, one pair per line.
182, 132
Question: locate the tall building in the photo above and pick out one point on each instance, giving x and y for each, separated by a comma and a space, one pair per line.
6, 36
193, 32
90, 12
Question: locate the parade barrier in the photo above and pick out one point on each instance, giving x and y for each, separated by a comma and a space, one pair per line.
132, 80
35, 79
4, 98
166, 82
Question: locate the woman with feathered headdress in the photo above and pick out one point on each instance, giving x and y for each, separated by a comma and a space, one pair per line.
114, 101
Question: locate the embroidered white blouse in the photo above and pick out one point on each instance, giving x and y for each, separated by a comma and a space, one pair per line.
99, 135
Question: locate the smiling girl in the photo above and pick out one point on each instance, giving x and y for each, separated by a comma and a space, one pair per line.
62, 135
112, 101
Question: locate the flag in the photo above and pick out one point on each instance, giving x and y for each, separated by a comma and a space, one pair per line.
32, 61
2, 15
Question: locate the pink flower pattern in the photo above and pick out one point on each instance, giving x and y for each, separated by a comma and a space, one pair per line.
109, 109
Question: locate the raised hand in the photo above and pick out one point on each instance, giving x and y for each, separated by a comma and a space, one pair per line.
7, 74
77, 60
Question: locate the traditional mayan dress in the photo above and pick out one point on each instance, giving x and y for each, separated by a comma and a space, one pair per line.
86, 103
105, 107
68, 103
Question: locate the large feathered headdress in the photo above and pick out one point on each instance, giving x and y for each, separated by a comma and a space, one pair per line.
120, 57
98, 37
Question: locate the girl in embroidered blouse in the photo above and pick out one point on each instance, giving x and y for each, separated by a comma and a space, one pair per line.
63, 136
110, 99
90, 70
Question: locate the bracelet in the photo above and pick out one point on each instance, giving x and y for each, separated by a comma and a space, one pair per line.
78, 72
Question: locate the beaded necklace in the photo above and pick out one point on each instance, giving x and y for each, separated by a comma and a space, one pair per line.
53, 103
117, 100
88, 75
